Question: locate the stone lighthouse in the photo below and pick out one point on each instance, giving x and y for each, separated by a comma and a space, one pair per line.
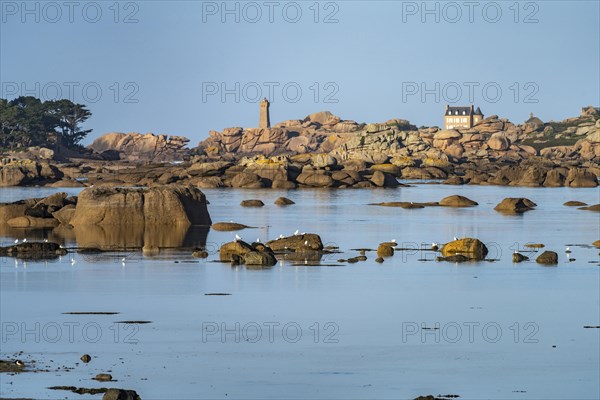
264, 122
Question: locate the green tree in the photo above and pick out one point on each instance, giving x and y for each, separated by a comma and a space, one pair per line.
68, 117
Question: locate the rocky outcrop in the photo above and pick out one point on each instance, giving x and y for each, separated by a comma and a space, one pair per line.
136, 146
162, 205
28, 172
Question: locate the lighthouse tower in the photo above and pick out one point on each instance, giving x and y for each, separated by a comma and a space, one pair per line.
264, 121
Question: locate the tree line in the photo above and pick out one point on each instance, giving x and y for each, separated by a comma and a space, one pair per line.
27, 121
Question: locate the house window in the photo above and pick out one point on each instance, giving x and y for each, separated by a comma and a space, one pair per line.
464, 113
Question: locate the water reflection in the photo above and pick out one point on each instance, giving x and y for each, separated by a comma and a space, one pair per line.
113, 237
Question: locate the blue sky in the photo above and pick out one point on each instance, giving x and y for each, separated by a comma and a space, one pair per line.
158, 66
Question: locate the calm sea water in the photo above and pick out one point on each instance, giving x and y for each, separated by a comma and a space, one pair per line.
365, 330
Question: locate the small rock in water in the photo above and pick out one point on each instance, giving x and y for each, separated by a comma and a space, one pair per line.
199, 253
228, 226
575, 204
518, 257
103, 377
535, 245
86, 358
252, 203
547, 258
284, 201
385, 250
379, 260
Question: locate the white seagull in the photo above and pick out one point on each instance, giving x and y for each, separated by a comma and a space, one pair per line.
237, 237
24, 240
393, 240
281, 237
45, 240
72, 261
306, 242
257, 240
16, 241
455, 238
567, 250
297, 231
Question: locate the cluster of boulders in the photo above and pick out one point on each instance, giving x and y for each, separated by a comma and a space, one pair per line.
303, 246
45, 212
22, 172
282, 172
145, 147
324, 151
320, 132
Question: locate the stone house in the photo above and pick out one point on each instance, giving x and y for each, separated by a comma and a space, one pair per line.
461, 117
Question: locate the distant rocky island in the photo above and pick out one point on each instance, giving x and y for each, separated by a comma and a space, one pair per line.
323, 150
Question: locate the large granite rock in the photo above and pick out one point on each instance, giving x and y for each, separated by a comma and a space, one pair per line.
160, 205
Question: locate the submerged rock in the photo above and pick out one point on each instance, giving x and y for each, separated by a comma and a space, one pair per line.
228, 226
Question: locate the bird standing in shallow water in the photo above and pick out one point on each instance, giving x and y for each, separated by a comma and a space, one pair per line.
568, 250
